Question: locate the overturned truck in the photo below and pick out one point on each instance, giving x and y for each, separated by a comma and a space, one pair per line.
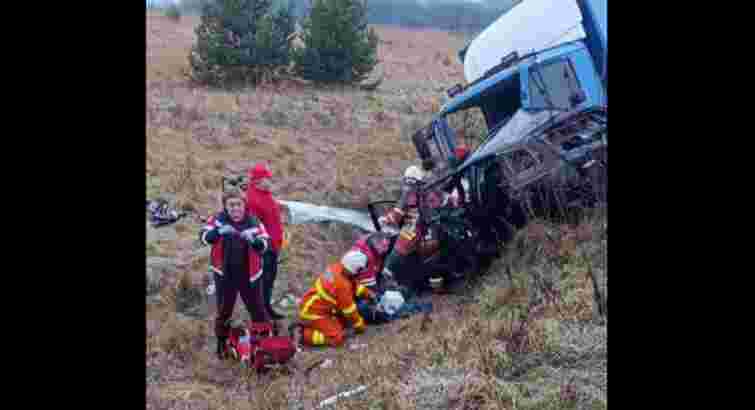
539, 76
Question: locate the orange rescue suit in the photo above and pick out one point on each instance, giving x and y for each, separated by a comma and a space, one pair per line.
327, 304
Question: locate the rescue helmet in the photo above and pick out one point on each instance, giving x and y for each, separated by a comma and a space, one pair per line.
413, 174
353, 262
461, 152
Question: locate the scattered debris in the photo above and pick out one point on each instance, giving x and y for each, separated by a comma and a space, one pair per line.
331, 400
161, 214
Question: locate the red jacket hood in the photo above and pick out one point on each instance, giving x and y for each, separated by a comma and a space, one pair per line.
261, 204
259, 172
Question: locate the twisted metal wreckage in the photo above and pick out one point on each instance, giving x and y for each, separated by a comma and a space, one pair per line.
539, 76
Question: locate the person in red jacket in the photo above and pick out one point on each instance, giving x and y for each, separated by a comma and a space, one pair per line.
237, 239
260, 202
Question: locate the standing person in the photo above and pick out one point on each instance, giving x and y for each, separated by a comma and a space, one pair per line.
237, 239
260, 202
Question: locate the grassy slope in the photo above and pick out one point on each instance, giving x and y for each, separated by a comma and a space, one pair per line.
340, 146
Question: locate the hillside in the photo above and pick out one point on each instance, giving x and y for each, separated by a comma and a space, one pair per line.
526, 335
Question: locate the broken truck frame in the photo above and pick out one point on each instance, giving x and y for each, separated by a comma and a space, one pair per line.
540, 81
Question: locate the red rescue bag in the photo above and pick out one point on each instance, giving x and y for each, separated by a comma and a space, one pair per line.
257, 345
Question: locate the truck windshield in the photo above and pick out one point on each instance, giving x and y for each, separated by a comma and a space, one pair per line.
483, 113
553, 85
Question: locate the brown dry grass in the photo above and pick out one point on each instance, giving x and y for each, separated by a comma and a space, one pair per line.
474, 340
336, 146
407, 55
168, 46
354, 162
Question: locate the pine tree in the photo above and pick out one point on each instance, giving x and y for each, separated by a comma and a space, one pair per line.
240, 40
338, 45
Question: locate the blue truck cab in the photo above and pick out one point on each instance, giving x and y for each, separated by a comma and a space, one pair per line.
539, 76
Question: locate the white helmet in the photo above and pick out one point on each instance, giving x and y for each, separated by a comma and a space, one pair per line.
414, 172
354, 262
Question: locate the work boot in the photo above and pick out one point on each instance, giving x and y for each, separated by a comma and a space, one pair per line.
437, 285
221, 352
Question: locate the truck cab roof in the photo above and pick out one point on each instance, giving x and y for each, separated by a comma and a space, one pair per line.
536, 25
529, 26
476, 93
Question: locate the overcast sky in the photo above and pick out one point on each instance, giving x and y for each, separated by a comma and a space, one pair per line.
420, 1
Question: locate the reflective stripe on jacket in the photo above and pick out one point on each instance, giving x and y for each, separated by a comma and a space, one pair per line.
333, 294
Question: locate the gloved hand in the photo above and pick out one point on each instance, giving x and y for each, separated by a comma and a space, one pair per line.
226, 230
383, 220
250, 236
257, 244
247, 235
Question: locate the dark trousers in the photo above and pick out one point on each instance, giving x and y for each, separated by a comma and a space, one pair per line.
227, 288
407, 271
270, 261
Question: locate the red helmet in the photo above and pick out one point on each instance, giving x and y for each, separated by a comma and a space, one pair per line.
461, 152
